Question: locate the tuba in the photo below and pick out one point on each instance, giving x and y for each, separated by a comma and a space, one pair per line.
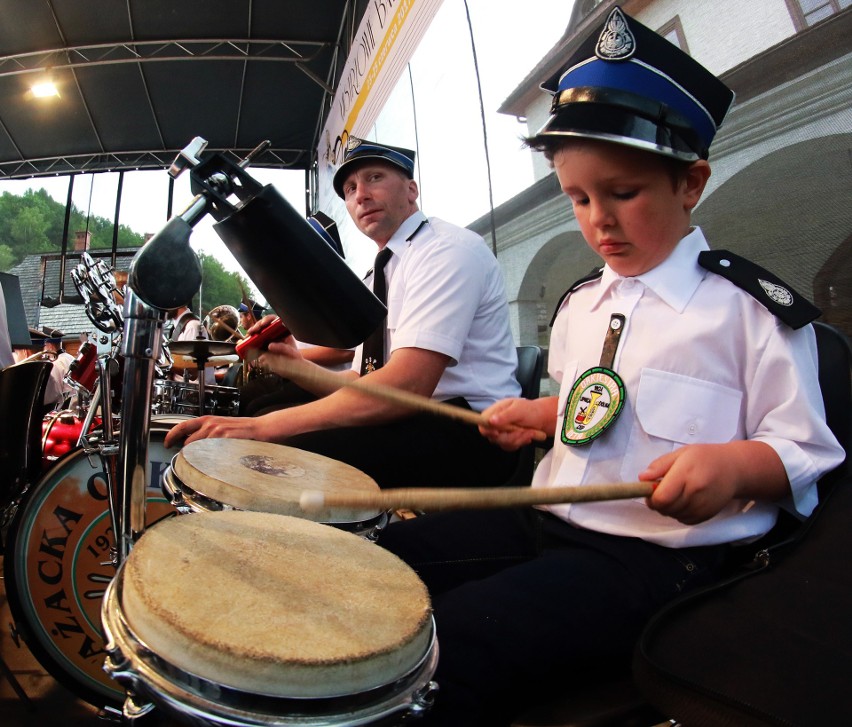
221, 323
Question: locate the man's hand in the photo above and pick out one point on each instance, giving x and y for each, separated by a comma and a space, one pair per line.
213, 426
514, 423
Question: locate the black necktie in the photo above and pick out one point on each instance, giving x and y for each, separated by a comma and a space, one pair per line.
373, 356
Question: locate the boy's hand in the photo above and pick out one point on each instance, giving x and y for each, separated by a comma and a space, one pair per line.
698, 480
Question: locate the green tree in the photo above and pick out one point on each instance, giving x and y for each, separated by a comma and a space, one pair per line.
218, 286
27, 230
7, 257
33, 223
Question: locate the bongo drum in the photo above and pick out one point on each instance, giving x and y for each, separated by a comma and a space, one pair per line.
247, 618
209, 475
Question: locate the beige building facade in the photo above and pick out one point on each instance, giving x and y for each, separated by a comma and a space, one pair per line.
781, 189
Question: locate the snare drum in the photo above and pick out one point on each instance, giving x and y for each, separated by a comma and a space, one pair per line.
181, 397
209, 475
246, 618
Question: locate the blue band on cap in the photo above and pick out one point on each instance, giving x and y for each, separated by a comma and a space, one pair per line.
636, 77
382, 152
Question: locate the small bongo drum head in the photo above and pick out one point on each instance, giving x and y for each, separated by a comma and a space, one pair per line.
275, 605
266, 477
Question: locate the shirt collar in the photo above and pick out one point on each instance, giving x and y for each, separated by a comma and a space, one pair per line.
399, 239
674, 280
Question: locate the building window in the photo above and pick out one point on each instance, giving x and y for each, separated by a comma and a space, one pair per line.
673, 32
808, 12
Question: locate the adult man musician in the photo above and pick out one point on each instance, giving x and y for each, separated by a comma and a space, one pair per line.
184, 325
447, 337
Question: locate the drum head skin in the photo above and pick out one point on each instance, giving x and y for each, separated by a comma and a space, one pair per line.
266, 477
275, 605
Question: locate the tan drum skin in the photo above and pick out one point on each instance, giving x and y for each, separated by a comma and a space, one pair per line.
275, 605
267, 477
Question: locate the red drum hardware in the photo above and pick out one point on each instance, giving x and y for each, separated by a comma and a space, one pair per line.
83, 372
60, 433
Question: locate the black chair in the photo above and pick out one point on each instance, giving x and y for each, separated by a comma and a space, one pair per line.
771, 645
22, 388
761, 648
530, 368
232, 375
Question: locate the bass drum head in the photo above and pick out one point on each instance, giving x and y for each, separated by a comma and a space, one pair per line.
57, 565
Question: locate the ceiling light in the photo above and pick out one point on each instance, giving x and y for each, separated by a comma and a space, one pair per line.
44, 89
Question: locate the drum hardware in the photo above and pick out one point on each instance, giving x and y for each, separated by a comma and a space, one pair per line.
201, 350
182, 397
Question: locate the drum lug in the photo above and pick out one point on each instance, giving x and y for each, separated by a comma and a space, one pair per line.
134, 709
423, 699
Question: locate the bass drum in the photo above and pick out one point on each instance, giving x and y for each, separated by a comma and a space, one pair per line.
57, 565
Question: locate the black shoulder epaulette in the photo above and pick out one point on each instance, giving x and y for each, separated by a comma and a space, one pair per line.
778, 297
594, 275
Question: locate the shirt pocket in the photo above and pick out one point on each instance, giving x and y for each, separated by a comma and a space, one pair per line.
673, 410
394, 307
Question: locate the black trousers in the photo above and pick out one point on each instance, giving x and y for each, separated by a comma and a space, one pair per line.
526, 604
419, 451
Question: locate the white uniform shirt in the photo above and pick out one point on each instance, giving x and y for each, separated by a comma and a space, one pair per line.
446, 294
702, 362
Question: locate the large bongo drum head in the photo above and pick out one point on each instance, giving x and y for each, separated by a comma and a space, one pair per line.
274, 605
266, 477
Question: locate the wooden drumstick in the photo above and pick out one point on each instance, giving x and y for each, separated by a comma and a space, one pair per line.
307, 375
433, 499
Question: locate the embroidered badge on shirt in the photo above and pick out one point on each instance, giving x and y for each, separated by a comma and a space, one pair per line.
593, 405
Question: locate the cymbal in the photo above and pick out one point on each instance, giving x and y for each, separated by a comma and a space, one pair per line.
189, 362
201, 348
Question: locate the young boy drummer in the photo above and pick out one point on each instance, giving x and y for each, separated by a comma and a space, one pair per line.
675, 364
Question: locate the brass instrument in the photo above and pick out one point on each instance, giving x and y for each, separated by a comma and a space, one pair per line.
221, 323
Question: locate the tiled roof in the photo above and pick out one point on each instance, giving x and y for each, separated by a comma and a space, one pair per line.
39, 276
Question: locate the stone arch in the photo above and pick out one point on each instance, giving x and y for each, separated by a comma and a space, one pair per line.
790, 212
560, 261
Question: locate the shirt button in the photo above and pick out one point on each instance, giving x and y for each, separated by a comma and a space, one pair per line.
692, 429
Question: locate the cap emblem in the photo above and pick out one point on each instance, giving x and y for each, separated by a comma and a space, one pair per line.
779, 294
353, 143
616, 42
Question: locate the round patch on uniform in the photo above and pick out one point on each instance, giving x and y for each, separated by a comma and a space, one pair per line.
594, 403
